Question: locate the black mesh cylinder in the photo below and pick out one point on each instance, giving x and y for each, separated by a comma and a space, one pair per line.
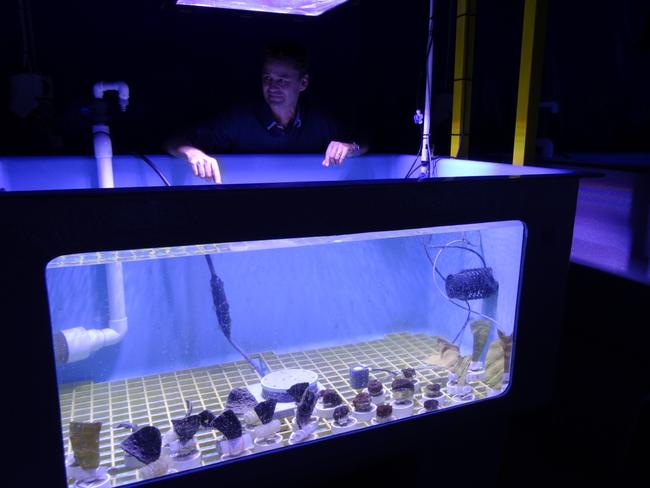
471, 284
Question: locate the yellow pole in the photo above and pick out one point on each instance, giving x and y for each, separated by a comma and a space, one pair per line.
463, 71
530, 81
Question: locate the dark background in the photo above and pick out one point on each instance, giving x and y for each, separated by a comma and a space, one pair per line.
367, 61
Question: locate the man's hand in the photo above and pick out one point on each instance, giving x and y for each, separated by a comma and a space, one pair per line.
338, 151
202, 165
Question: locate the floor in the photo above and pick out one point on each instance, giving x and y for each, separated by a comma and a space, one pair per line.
612, 224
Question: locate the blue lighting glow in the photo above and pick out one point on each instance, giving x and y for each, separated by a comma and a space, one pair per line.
295, 7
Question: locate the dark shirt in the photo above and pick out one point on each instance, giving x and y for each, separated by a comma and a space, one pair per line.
253, 129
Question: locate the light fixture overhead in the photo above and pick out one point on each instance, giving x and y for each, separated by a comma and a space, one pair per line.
295, 7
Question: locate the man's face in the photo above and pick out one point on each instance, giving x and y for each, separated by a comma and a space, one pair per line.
282, 84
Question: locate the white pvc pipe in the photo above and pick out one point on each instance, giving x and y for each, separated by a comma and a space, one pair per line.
103, 155
117, 322
81, 342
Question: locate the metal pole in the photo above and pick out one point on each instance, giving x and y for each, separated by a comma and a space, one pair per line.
425, 165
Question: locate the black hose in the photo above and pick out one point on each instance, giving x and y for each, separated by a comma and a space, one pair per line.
154, 167
219, 299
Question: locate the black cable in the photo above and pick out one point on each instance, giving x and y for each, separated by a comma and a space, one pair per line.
413, 165
461, 332
433, 162
467, 306
413, 169
210, 265
221, 306
461, 247
154, 167
434, 165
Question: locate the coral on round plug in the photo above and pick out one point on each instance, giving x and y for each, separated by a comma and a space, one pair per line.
403, 390
375, 388
145, 444
341, 415
384, 412
330, 398
362, 402
432, 390
228, 424
430, 405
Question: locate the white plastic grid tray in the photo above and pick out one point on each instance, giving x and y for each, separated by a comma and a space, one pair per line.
156, 399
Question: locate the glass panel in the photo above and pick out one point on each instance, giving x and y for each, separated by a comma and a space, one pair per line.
174, 358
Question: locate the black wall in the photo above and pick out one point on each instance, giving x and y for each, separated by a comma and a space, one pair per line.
183, 66
367, 60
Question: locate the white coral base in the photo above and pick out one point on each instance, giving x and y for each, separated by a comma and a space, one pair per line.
365, 416
232, 448
104, 482
267, 443
324, 412
339, 429
192, 461
403, 410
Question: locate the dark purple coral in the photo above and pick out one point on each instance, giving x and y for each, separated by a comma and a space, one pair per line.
186, 427
297, 390
409, 373
265, 410
341, 414
240, 400
432, 389
305, 408
384, 411
330, 398
144, 444
206, 417
362, 402
375, 387
431, 404
402, 384
228, 424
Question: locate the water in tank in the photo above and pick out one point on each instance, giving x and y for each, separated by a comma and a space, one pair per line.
173, 358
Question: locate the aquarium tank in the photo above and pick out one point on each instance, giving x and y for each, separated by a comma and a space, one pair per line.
170, 359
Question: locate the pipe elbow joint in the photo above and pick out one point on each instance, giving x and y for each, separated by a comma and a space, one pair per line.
120, 87
117, 331
79, 343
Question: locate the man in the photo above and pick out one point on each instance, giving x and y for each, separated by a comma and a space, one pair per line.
281, 124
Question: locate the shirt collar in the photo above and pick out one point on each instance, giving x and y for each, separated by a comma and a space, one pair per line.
272, 123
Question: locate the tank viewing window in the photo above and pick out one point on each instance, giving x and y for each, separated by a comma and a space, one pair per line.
173, 358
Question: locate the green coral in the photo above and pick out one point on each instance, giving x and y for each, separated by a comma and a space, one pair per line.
493, 376
461, 367
480, 330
